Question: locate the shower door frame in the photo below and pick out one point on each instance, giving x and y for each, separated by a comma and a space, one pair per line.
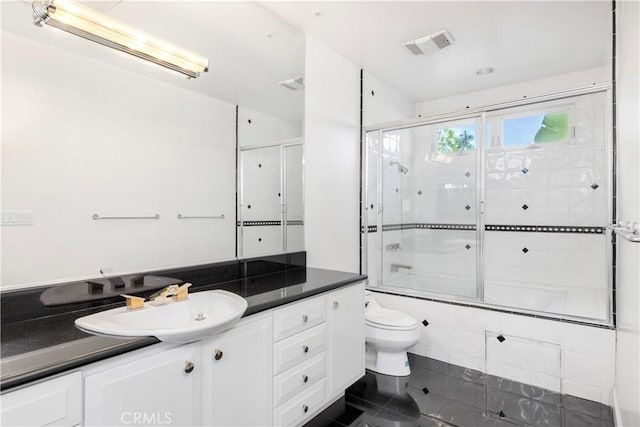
480, 119
480, 113
283, 145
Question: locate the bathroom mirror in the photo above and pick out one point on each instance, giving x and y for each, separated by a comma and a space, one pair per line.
271, 207
113, 166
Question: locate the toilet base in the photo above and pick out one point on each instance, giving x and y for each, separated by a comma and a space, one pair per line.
395, 363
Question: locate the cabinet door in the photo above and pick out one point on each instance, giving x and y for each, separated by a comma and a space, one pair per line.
56, 402
238, 376
345, 316
163, 388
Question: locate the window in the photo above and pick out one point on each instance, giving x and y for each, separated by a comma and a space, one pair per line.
536, 129
456, 139
542, 126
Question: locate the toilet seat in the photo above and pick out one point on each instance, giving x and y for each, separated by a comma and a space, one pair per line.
384, 318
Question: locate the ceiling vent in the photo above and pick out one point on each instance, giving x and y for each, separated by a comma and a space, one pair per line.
430, 43
296, 83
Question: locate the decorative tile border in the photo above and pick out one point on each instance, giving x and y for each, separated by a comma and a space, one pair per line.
422, 226
295, 222
395, 227
546, 229
466, 227
491, 227
260, 223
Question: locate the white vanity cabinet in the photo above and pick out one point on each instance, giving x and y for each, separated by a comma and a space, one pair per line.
279, 367
318, 352
237, 375
345, 319
55, 402
156, 386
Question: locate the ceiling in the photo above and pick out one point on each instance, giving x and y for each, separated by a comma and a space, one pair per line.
249, 48
522, 40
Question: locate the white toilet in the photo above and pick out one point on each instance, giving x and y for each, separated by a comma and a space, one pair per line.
388, 335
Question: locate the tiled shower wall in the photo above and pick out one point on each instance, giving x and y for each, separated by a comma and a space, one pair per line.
564, 185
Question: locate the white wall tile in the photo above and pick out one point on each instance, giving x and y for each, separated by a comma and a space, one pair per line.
582, 368
596, 342
546, 353
584, 391
466, 361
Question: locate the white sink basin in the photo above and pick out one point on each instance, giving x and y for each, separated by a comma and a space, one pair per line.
200, 316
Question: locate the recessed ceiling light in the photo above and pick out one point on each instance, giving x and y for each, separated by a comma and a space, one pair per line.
485, 70
317, 13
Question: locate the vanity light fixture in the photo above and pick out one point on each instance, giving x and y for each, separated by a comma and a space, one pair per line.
84, 22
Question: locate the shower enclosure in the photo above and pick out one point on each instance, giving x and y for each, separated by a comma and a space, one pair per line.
503, 206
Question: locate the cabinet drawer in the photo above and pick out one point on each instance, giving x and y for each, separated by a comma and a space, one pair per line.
299, 378
298, 348
301, 408
298, 317
57, 402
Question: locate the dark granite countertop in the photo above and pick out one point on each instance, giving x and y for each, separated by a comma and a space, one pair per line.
37, 347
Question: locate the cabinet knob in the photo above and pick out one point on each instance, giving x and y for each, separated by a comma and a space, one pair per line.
188, 367
305, 318
305, 348
305, 378
336, 304
218, 354
305, 408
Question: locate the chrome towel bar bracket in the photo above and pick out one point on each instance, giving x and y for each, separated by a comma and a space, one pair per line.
629, 231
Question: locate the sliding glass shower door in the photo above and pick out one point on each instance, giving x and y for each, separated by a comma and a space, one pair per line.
430, 208
507, 207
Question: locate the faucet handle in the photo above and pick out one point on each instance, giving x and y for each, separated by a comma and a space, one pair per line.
181, 292
133, 302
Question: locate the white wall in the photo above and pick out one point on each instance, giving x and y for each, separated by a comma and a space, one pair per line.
382, 103
332, 157
627, 397
515, 91
81, 137
257, 128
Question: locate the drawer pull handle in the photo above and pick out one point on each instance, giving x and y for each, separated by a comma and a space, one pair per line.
305, 348
218, 354
305, 408
188, 367
336, 304
305, 378
305, 318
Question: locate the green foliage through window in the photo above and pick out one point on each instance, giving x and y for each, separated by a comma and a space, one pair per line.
554, 127
451, 140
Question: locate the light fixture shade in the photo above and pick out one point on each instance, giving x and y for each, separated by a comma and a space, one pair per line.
84, 22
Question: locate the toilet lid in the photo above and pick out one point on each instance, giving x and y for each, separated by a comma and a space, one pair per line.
387, 317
